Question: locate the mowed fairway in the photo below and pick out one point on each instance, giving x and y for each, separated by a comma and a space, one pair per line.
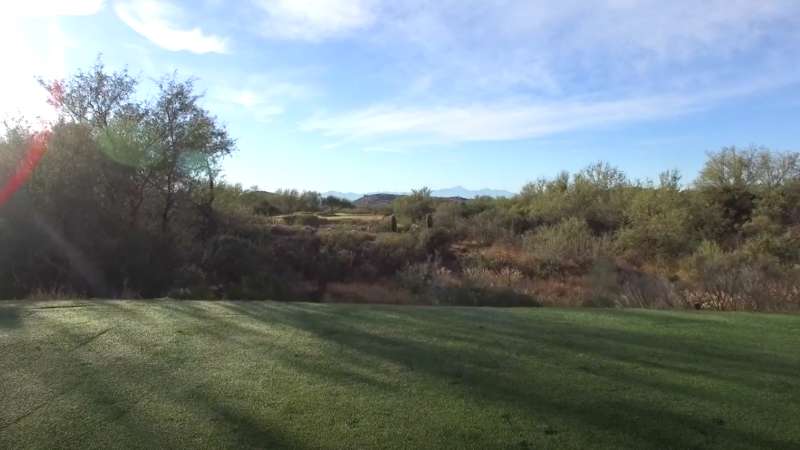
157, 374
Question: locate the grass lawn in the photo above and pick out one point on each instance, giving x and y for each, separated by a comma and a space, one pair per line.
273, 375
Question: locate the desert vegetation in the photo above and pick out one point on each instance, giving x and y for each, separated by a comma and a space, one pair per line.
122, 198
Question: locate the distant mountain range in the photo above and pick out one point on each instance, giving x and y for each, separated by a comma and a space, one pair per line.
458, 191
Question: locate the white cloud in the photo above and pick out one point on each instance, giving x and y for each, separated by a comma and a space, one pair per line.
40, 8
260, 97
154, 21
513, 120
486, 122
261, 107
570, 65
491, 46
314, 20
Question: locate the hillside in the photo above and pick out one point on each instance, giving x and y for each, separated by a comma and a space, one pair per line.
380, 201
457, 191
376, 201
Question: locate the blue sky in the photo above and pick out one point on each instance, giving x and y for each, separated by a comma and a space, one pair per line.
368, 95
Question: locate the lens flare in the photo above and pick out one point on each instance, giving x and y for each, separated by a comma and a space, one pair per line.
27, 165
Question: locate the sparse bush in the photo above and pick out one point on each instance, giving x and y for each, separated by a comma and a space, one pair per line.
304, 219
229, 258
57, 293
604, 286
568, 247
505, 278
415, 206
658, 226
390, 252
439, 286
737, 281
370, 292
492, 225
500, 256
450, 216
643, 290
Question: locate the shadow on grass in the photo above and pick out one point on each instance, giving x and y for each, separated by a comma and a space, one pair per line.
631, 379
10, 316
495, 347
137, 396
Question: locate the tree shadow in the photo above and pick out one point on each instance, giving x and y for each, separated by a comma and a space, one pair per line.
613, 387
115, 393
10, 316
483, 369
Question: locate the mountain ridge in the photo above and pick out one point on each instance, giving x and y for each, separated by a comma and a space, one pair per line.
455, 191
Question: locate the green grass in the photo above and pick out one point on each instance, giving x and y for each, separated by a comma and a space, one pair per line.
272, 375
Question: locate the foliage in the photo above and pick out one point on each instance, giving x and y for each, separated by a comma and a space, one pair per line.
657, 225
416, 206
126, 199
564, 247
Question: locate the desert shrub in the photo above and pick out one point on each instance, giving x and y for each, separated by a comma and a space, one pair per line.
370, 292
504, 278
658, 226
570, 291
348, 255
417, 278
478, 205
340, 253
191, 283
568, 247
433, 284
415, 206
598, 195
501, 256
296, 251
304, 219
738, 281
492, 225
435, 242
55, 293
290, 201
450, 216
465, 295
263, 285
640, 289
391, 252
265, 208
764, 237
229, 258
604, 287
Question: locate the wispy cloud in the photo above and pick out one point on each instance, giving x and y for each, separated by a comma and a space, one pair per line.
39, 8
155, 21
495, 70
491, 45
514, 120
314, 20
261, 97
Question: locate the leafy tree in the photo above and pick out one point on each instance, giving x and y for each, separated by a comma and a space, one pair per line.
93, 96
190, 147
333, 203
658, 222
415, 206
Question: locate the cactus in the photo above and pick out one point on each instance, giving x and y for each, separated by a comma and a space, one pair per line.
393, 223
